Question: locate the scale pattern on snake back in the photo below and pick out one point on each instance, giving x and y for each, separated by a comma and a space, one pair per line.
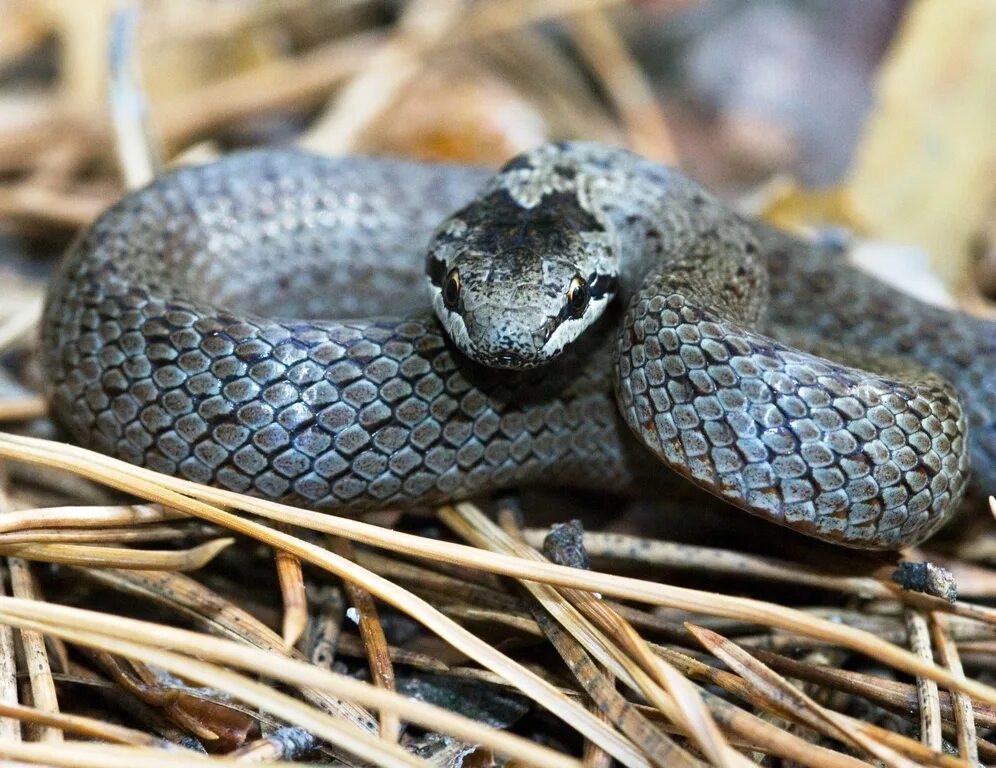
182, 333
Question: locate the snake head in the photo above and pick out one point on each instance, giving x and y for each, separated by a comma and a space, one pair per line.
514, 285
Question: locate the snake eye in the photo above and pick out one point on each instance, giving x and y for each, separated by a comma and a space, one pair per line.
577, 296
451, 289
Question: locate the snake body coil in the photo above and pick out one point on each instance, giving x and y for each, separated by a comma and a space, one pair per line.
183, 332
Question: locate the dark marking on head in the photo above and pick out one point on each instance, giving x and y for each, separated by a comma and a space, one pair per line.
496, 223
518, 163
601, 285
435, 269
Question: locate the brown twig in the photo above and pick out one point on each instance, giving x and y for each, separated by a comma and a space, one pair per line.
43, 693
21, 318
604, 50
38, 205
9, 728
928, 699
135, 145
213, 613
118, 557
323, 640
124, 476
786, 697
292, 593
23, 408
367, 619
86, 517
964, 715
394, 65
667, 554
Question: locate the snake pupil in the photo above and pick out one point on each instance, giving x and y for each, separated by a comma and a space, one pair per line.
577, 296
451, 289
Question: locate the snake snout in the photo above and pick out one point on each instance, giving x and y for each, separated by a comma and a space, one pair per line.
508, 343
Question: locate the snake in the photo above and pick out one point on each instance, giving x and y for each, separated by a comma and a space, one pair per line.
354, 333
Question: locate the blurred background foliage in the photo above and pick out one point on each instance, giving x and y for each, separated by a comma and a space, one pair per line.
891, 100
873, 117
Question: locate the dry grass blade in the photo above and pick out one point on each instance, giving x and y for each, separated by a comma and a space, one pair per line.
963, 608
590, 638
156, 487
278, 86
395, 64
745, 728
86, 517
114, 535
745, 725
43, 693
652, 675
353, 646
374, 641
486, 19
292, 593
512, 621
343, 735
891, 694
928, 699
742, 727
23, 408
917, 751
203, 715
138, 158
119, 557
594, 757
83, 755
645, 551
287, 743
58, 486
10, 730
658, 746
322, 641
287, 84
763, 698
696, 716
150, 485
791, 699
448, 587
20, 322
605, 51
104, 629
84, 726
26, 202
968, 746
211, 612
750, 728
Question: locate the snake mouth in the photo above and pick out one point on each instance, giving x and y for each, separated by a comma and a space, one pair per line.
514, 362
503, 357
506, 355
509, 360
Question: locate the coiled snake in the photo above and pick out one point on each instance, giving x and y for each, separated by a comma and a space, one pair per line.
187, 331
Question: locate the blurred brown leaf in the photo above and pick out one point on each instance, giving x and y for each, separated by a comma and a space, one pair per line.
925, 168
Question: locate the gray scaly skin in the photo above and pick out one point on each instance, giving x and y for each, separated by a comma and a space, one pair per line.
182, 333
